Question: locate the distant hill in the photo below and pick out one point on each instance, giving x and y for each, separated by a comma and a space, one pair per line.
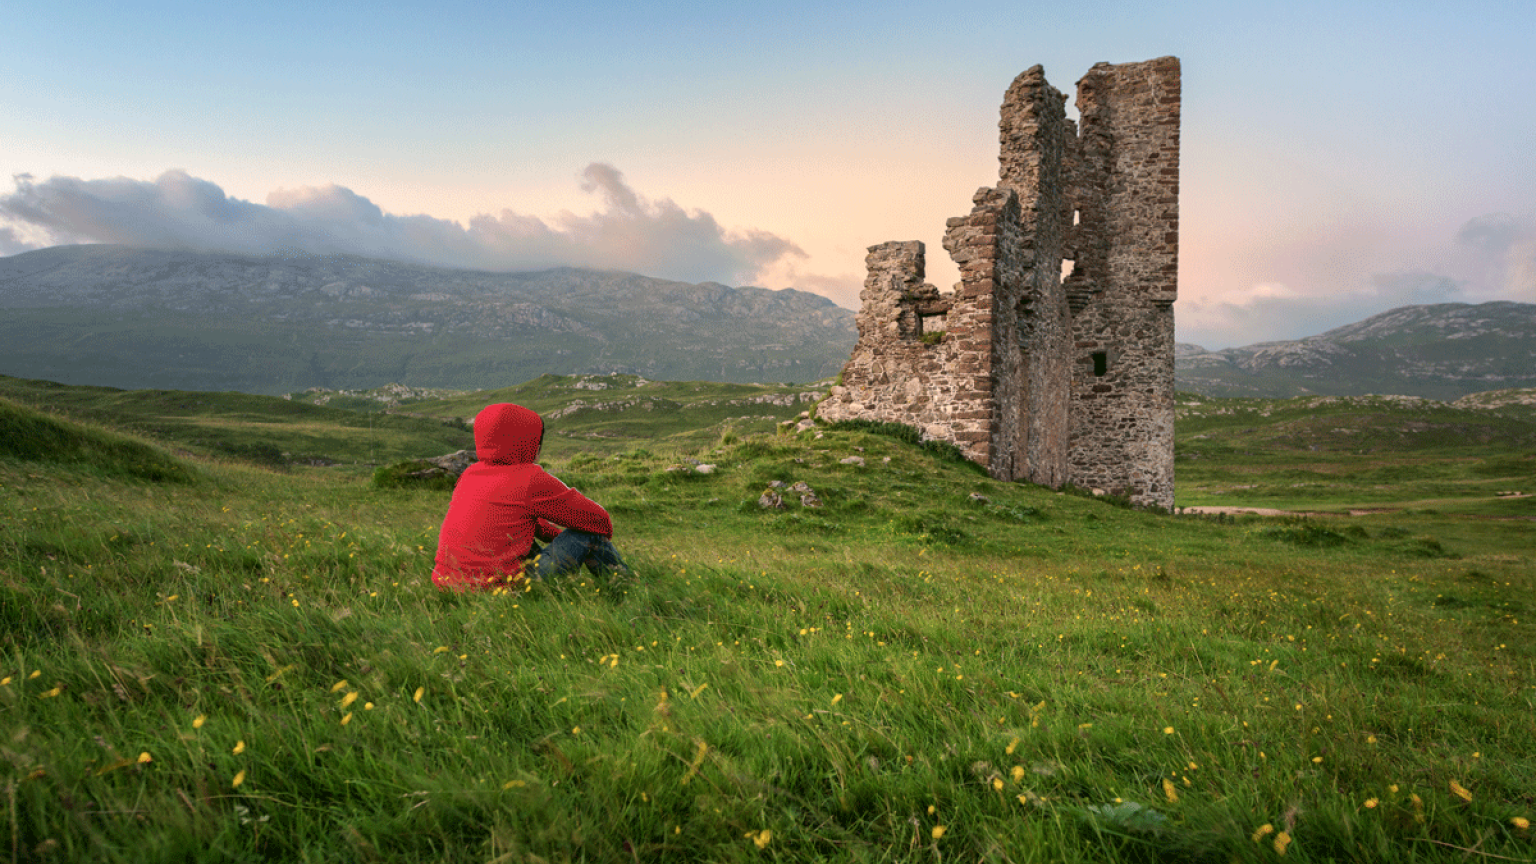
135, 318
1442, 351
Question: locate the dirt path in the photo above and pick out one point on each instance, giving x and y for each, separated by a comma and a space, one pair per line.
1269, 511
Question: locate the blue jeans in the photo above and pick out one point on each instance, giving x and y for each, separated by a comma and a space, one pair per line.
572, 549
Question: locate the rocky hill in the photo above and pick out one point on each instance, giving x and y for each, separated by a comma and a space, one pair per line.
1442, 351
134, 318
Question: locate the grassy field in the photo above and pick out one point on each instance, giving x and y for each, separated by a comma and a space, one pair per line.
216, 661
588, 413
1322, 454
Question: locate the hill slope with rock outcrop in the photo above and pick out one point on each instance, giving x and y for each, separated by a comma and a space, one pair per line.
1443, 351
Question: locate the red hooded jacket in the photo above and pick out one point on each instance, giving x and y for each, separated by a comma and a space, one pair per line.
503, 501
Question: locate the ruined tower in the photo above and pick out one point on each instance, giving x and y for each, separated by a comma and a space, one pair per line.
1052, 359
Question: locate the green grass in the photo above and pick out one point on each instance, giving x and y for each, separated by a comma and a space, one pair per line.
1339, 454
904, 673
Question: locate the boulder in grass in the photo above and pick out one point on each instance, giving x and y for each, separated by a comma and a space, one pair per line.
454, 463
415, 474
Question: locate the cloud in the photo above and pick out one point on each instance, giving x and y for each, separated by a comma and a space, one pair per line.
1503, 249
11, 242
179, 211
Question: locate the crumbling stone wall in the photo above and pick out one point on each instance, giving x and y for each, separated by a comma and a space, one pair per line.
908, 364
1039, 376
1125, 279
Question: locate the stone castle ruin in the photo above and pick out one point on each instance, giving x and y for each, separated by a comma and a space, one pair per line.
1052, 359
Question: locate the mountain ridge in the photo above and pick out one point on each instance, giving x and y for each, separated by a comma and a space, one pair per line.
272, 324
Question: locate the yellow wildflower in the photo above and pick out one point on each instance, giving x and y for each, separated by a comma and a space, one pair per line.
1169, 791
1017, 773
1282, 840
239, 748
836, 699
339, 686
938, 831
1461, 791
1370, 803
199, 720
145, 757
1167, 730
420, 691
1264, 831
1520, 822
239, 778
347, 718
349, 698
762, 837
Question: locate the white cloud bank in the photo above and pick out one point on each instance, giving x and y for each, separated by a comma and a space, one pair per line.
179, 211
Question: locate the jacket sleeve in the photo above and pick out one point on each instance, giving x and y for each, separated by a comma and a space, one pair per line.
558, 503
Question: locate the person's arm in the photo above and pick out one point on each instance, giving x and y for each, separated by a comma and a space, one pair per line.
555, 502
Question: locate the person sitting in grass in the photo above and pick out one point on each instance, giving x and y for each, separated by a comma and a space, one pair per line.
504, 504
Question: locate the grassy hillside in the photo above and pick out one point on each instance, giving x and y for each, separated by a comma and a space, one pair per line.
929, 666
263, 429
32, 437
612, 413
586, 413
1342, 453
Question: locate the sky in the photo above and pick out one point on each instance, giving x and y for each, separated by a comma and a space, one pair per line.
1339, 158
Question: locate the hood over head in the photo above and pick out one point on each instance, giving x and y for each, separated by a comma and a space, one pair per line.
507, 434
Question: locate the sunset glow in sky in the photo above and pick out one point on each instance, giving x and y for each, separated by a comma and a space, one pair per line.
1339, 159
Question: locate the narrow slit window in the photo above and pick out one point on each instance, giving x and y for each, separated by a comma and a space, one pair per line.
1100, 363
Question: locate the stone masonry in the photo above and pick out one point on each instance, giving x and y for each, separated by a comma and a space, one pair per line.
1051, 361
